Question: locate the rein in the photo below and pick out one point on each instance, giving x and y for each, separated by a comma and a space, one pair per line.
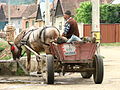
23, 54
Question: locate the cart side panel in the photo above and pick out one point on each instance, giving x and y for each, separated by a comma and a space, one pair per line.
82, 51
75, 52
86, 51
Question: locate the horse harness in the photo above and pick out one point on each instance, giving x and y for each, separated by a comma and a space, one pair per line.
41, 36
44, 31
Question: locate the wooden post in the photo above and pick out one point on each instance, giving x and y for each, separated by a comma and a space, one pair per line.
10, 33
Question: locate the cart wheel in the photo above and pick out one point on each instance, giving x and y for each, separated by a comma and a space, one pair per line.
50, 69
86, 75
99, 69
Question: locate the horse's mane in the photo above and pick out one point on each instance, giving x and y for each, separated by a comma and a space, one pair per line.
19, 37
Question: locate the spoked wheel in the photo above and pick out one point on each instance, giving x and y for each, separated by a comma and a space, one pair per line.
86, 75
49, 72
99, 69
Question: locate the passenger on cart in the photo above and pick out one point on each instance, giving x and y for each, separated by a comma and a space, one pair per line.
71, 31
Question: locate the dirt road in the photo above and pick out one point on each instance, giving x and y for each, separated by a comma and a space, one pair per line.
74, 81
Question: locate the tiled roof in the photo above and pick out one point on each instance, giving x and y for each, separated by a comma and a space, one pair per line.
33, 15
19, 11
15, 10
30, 10
2, 14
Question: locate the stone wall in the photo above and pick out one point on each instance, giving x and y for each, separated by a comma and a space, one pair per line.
9, 67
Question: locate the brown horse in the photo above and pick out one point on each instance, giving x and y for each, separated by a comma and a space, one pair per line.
37, 39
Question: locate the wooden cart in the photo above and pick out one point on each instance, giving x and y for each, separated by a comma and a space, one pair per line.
75, 57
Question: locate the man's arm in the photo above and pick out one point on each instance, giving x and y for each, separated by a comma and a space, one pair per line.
66, 29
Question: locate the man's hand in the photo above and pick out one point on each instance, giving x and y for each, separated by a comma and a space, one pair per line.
64, 35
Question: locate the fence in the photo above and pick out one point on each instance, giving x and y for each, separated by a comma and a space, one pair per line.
109, 32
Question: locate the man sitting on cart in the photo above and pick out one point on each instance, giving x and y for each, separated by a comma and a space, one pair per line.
71, 31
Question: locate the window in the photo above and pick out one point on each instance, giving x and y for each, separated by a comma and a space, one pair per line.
18, 22
60, 25
27, 24
33, 22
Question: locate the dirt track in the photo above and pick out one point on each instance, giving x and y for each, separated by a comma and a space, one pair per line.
74, 81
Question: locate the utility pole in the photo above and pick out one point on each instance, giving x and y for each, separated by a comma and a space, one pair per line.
38, 2
10, 29
47, 13
96, 19
9, 21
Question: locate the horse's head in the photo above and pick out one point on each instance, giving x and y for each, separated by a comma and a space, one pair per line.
16, 51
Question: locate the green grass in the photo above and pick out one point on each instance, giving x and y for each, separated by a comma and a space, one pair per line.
6, 58
110, 44
3, 45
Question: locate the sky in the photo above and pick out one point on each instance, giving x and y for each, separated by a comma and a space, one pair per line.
116, 2
44, 0
42, 6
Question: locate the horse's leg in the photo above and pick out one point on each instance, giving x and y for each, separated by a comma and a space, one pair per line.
39, 65
28, 60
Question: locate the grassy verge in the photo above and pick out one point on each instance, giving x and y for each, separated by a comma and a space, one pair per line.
6, 58
3, 46
110, 44
4, 50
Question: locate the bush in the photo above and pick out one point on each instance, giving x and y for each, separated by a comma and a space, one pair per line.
109, 13
84, 13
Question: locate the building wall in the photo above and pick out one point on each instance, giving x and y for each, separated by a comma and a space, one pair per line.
59, 23
17, 23
2, 25
31, 22
40, 24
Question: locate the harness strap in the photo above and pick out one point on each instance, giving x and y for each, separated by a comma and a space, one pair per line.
23, 54
24, 41
29, 31
43, 31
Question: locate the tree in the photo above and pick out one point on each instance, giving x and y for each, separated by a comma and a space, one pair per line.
109, 13
84, 13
